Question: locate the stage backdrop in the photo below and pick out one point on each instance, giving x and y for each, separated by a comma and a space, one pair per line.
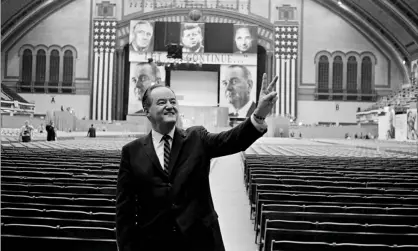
232, 46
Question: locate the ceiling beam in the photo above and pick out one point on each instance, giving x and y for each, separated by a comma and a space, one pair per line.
368, 31
379, 27
403, 21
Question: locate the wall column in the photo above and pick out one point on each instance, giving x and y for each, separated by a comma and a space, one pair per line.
330, 79
359, 80
120, 83
344, 78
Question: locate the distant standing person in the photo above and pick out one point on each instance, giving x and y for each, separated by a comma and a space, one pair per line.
26, 132
51, 133
92, 132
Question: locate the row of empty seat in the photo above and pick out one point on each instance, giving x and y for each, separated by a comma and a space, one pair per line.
339, 203
54, 199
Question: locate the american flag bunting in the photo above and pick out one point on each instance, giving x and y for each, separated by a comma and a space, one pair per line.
104, 41
286, 39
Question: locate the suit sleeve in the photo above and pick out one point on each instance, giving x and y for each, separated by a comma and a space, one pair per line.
125, 205
232, 141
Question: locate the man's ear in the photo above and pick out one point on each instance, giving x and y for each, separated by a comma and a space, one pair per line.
250, 84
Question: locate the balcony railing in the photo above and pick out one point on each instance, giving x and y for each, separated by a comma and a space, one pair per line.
17, 107
345, 95
46, 87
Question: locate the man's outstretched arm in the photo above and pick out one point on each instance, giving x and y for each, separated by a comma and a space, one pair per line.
245, 134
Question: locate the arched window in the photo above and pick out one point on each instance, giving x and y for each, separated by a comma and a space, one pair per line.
366, 75
323, 73
68, 67
352, 75
40, 67
337, 74
54, 67
27, 66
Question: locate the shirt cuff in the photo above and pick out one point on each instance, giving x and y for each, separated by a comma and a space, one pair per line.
259, 127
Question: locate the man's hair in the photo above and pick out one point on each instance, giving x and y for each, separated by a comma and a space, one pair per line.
146, 98
155, 70
188, 26
141, 23
244, 27
247, 73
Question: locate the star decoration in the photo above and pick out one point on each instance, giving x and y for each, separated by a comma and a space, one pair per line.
285, 41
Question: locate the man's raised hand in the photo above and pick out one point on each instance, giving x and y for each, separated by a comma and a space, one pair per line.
267, 97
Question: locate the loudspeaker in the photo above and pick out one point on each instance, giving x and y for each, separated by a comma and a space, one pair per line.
175, 51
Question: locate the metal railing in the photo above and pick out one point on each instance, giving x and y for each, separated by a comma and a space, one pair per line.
45, 87
16, 106
345, 94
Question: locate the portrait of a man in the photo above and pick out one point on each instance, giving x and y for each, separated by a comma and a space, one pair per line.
143, 75
192, 35
412, 125
239, 90
245, 40
141, 36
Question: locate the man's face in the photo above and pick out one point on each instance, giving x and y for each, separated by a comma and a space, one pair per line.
237, 87
144, 77
192, 37
143, 34
243, 39
26, 123
164, 108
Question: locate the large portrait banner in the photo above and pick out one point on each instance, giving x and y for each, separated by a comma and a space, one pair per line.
412, 124
238, 87
245, 38
142, 75
192, 37
141, 37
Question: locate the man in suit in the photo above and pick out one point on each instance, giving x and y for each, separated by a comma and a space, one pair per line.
92, 132
163, 197
142, 37
238, 84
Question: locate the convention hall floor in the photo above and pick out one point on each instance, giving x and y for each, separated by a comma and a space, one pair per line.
230, 198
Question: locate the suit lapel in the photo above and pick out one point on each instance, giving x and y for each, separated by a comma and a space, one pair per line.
178, 140
150, 151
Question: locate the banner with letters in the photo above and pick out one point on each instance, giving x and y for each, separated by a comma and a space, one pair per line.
232, 46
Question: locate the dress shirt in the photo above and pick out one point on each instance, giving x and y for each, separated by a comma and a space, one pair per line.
159, 144
242, 113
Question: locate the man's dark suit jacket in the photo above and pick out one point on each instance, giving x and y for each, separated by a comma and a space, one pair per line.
146, 194
92, 132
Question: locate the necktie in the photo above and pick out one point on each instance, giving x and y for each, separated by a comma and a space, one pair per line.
166, 139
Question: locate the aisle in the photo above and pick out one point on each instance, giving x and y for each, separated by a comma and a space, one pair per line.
232, 204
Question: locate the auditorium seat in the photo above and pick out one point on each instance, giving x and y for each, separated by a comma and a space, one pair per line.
338, 237
56, 221
323, 246
105, 209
